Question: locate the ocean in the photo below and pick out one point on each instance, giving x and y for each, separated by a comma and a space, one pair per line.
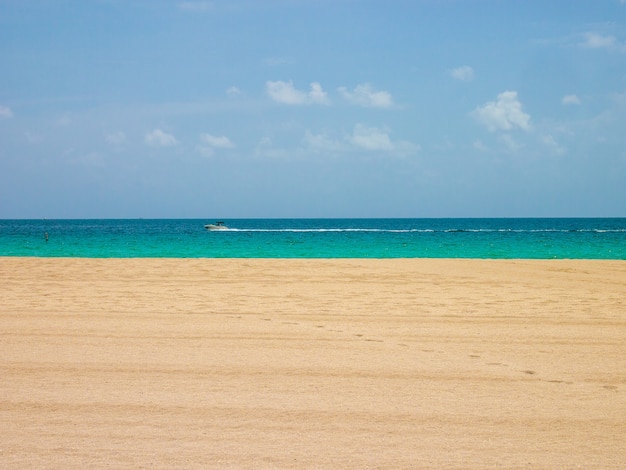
540, 238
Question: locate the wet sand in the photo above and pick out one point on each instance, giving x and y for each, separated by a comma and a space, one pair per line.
160, 363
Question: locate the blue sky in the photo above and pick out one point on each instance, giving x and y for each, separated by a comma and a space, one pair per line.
312, 108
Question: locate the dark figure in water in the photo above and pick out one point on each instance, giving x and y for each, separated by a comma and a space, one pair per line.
46, 235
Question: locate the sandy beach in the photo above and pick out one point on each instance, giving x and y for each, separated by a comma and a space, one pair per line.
413, 363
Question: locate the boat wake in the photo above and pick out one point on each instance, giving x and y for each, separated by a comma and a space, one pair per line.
415, 230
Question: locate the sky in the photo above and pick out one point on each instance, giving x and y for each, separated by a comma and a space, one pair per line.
312, 108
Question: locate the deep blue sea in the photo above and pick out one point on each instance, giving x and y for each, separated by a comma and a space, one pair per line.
543, 238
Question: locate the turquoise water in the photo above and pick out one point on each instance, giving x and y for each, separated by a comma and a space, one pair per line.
318, 238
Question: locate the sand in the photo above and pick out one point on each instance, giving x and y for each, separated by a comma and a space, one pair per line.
207, 363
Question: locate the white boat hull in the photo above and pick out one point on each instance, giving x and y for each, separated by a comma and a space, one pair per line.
215, 227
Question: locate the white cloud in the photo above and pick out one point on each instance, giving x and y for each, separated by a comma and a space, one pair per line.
504, 114
158, 138
233, 91
464, 73
511, 144
265, 142
553, 145
570, 99
212, 142
362, 138
222, 142
597, 41
5, 112
478, 145
317, 95
322, 142
371, 138
366, 95
196, 5
116, 138
266, 149
284, 92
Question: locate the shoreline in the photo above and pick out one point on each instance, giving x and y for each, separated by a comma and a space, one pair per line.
312, 363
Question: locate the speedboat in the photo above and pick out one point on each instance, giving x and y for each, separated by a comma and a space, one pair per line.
216, 226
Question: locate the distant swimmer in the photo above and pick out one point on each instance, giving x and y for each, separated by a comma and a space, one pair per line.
46, 235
